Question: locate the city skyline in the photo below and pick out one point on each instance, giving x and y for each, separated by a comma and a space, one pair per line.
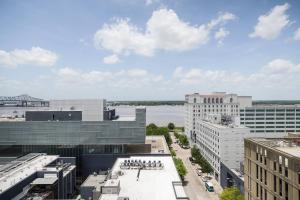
124, 51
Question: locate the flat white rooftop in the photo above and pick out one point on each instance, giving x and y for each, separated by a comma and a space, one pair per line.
125, 118
152, 184
158, 144
24, 169
220, 126
94, 181
294, 151
44, 181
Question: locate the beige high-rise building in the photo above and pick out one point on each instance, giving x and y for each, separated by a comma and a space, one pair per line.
272, 168
198, 106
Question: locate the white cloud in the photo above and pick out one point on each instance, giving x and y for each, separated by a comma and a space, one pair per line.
198, 75
277, 75
69, 74
112, 59
270, 25
222, 18
131, 78
221, 34
178, 72
171, 33
35, 56
149, 2
122, 37
297, 34
281, 66
137, 72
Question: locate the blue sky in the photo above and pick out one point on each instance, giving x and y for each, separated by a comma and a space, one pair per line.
149, 49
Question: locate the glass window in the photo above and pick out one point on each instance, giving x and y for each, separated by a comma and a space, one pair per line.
275, 183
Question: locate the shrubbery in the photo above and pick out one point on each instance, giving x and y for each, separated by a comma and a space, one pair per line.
205, 166
182, 138
152, 129
173, 153
231, 193
180, 167
176, 134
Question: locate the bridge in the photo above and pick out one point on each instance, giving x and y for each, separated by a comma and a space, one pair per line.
23, 101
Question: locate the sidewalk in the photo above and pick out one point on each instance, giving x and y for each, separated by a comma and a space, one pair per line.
193, 185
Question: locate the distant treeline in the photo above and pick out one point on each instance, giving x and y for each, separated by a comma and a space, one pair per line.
145, 103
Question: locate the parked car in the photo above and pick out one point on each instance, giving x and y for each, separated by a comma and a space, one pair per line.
198, 171
185, 147
206, 178
193, 160
209, 186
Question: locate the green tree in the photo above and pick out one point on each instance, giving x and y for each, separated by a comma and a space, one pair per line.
180, 167
171, 126
183, 140
176, 134
165, 132
205, 166
231, 193
152, 126
152, 129
195, 152
173, 153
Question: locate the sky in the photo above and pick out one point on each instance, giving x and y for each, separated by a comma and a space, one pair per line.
149, 49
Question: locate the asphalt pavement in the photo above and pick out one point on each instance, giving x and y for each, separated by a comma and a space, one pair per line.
193, 185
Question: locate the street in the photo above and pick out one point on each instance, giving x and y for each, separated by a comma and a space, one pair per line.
193, 185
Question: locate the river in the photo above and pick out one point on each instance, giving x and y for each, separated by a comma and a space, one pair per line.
160, 115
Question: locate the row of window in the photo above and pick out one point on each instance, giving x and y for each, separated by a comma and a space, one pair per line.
276, 122
297, 127
270, 114
271, 118
270, 110
213, 100
221, 106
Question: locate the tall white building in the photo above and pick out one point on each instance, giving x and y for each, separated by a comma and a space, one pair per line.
221, 140
198, 106
221, 143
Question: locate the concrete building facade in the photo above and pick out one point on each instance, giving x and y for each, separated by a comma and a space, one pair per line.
272, 169
264, 119
92, 109
198, 106
268, 119
38, 176
232, 177
89, 140
219, 140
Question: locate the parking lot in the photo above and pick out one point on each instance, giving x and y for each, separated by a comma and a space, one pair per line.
193, 185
